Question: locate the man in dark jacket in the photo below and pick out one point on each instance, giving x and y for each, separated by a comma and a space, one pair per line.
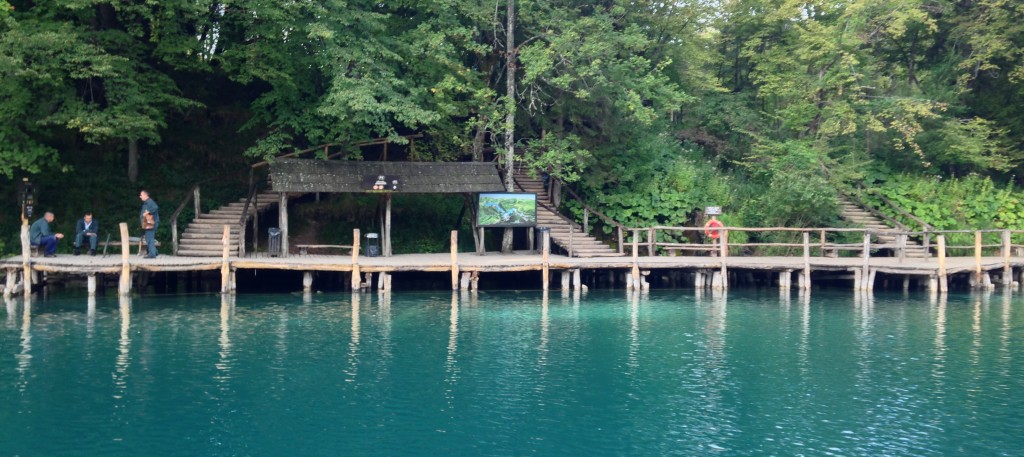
149, 207
87, 228
40, 235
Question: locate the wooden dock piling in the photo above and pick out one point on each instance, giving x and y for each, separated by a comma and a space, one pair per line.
124, 286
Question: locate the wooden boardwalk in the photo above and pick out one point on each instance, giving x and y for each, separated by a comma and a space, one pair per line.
473, 264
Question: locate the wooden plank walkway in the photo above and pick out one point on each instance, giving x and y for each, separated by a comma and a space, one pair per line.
496, 262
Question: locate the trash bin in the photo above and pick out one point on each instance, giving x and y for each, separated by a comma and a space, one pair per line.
372, 248
538, 240
274, 241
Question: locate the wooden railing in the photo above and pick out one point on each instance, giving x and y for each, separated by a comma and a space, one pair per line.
553, 204
819, 241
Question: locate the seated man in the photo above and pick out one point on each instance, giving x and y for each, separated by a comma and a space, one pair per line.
40, 235
87, 228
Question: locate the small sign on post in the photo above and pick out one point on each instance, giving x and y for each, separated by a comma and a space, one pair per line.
713, 210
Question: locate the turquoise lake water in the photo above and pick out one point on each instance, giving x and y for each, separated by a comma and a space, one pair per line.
510, 374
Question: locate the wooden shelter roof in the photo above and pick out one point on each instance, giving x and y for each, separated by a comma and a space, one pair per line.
345, 176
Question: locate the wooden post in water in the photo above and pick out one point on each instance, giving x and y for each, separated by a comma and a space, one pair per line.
124, 287
12, 282
785, 280
90, 284
307, 281
1007, 269
977, 258
26, 265
355, 260
225, 268
565, 280
545, 252
282, 220
455, 259
943, 279
576, 284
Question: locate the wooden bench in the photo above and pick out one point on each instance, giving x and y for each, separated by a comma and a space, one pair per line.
304, 248
141, 241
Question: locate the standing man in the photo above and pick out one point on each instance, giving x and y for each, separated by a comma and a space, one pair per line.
40, 235
149, 217
86, 227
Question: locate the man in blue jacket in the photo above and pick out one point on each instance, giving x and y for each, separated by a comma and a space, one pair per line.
87, 228
40, 235
149, 208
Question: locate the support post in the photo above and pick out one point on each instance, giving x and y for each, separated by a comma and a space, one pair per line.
464, 281
307, 281
867, 256
455, 259
565, 280
977, 256
724, 247
806, 284
785, 278
90, 280
545, 252
282, 220
12, 282
586, 221
225, 268
651, 236
943, 280
26, 264
1007, 270
124, 287
355, 260
635, 272
576, 284
901, 246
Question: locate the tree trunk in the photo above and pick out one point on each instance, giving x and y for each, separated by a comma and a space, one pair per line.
133, 160
478, 139
510, 115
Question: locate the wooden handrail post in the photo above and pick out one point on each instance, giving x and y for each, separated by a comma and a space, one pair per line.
586, 221
622, 249
977, 257
26, 264
545, 265
174, 236
225, 270
724, 254
865, 269
195, 201
1007, 270
455, 259
941, 247
822, 243
571, 232
901, 246
927, 243
124, 287
356, 281
635, 272
806, 283
651, 236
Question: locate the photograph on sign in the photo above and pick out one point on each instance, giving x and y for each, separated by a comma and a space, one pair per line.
507, 210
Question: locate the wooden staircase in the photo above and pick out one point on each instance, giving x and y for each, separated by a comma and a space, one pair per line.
582, 245
203, 236
854, 213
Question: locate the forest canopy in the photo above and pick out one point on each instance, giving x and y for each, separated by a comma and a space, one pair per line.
651, 109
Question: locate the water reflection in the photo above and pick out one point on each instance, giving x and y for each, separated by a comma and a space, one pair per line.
124, 346
12, 308
353, 346
1004, 333
90, 316
632, 360
451, 370
24, 357
224, 361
